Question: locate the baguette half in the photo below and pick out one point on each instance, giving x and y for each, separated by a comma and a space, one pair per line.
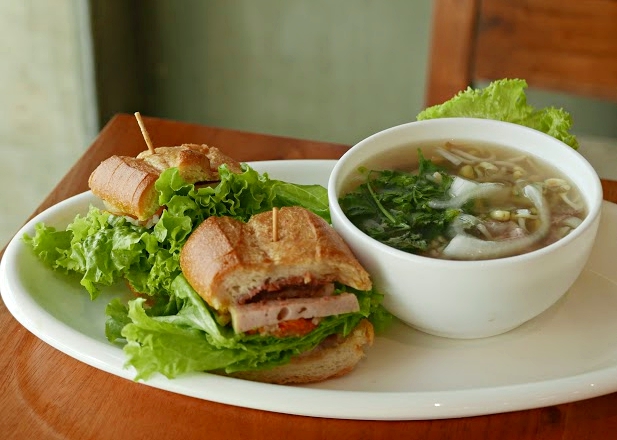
195, 163
329, 360
228, 262
126, 184
235, 266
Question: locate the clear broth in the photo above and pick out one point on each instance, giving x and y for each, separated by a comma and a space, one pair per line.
507, 216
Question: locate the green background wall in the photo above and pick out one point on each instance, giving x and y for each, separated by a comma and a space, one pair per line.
334, 70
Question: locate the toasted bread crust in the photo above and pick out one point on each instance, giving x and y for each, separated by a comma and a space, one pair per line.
195, 163
227, 261
126, 184
216, 157
325, 362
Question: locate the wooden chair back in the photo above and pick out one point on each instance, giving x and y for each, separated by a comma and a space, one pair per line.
557, 45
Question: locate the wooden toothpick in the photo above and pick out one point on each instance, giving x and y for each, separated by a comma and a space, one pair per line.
275, 224
144, 132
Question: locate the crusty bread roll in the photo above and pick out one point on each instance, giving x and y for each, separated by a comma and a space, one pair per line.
227, 261
126, 184
271, 286
329, 360
195, 163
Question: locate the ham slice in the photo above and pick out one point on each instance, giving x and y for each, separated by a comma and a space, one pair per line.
260, 314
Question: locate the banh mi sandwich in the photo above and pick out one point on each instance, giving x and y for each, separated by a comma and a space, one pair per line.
163, 324
126, 184
282, 287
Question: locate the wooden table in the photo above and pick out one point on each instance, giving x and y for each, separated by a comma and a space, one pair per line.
45, 394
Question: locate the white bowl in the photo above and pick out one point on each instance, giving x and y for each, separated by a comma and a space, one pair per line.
471, 299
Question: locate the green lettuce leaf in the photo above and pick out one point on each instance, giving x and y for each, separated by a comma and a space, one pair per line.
101, 247
312, 197
193, 340
104, 248
169, 329
505, 100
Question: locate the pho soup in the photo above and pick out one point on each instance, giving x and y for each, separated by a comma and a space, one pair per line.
462, 201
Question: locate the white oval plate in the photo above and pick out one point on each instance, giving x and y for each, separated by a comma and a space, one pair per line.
569, 353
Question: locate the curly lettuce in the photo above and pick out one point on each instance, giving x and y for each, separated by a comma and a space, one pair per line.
104, 248
192, 339
505, 100
168, 328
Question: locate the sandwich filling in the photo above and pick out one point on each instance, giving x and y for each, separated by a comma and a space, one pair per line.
266, 315
283, 287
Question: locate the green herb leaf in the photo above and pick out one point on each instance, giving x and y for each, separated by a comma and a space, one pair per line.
392, 206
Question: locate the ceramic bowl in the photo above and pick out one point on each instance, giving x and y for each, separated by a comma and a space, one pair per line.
481, 298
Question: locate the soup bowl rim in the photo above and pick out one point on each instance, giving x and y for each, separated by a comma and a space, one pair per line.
592, 199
